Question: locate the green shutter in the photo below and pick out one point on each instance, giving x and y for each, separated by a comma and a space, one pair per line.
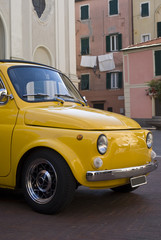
158, 62
120, 82
113, 5
84, 12
108, 80
119, 42
85, 46
158, 29
145, 9
85, 82
107, 43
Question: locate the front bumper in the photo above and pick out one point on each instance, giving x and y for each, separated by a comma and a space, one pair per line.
104, 175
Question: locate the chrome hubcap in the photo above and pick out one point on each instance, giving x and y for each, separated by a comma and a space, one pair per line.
41, 181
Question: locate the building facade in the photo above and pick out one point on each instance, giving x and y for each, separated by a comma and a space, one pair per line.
146, 20
41, 31
141, 65
103, 28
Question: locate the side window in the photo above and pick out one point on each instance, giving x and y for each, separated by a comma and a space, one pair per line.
85, 46
114, 42
84, 12
145, 9
2, 84
3, 100
114, 80
85, 82
113, 7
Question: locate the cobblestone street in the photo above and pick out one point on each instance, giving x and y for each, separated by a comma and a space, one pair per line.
93, 214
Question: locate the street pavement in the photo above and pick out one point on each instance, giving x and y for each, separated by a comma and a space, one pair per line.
93, 214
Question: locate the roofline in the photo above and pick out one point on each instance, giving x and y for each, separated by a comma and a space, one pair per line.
27, 62
140, 47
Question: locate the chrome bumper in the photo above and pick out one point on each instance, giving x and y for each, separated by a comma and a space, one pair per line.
104, 175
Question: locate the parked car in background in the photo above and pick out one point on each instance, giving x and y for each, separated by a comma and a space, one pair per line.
52, 142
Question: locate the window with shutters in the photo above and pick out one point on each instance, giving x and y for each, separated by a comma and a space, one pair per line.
113, 80
113, 42
145, 9
113, 7
158, 29
84, 12
85, 82
158, 63
85, 46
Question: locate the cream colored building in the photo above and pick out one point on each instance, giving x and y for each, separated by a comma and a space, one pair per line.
39, 30
146, 20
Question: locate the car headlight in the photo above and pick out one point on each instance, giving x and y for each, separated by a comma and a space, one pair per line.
102, 144
149, 140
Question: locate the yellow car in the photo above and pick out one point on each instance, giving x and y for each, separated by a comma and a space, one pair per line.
52, 142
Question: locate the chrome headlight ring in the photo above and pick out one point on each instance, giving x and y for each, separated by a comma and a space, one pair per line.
149, 140
102, 144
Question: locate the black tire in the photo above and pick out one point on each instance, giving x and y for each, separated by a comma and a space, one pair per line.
47, 181
124, 189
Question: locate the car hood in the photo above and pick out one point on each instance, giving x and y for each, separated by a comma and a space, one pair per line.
77, 117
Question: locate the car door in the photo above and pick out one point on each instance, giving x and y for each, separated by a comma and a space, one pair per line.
8, 115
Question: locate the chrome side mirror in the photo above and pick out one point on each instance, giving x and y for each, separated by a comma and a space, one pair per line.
4, 96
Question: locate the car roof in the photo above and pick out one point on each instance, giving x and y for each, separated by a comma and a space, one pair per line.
27, 62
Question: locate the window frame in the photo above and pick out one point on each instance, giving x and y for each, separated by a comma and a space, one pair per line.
144, 35
118, 82
117, 42
115, 14
85, 74
141, 4
88, 12
82, 47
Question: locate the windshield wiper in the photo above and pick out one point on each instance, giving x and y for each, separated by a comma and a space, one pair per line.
36, 95
68, 96
64, 95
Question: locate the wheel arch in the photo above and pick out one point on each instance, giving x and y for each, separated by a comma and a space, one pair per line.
25, 156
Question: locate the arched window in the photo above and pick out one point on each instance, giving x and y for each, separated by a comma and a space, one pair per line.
39, 6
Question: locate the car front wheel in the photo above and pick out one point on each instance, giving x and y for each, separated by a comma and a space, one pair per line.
47, 181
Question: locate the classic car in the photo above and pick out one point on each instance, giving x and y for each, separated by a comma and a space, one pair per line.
52, 141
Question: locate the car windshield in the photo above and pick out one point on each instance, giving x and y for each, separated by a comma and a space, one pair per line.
39, 84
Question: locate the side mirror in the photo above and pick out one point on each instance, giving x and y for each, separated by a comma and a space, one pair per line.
3, 94
84, 97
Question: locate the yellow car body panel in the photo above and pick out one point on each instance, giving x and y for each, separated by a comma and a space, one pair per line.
29, 125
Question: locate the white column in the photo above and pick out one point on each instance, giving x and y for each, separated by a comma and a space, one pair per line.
71, 42
16, 29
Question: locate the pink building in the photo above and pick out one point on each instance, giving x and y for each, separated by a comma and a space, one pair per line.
103, 28
142, 63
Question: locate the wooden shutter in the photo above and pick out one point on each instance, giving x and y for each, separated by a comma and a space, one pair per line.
119, 42
85, 82
120, 82
158, 62
85, 46
108, 80
113, 5
108, 49
84, 12
158, 29
145, 9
